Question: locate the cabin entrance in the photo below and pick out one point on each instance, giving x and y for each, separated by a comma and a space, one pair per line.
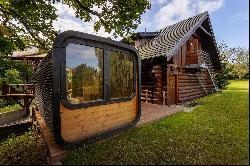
172, 89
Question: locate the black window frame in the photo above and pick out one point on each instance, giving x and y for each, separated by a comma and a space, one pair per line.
106, 74
58, 59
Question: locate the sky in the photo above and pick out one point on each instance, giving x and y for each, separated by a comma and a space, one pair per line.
229, 18
76, 54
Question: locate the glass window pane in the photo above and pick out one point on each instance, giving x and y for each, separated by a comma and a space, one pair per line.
121, 74
84, 73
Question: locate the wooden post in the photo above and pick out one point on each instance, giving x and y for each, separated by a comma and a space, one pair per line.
26, 104
9, 90
4, 88
164, 98
146, 96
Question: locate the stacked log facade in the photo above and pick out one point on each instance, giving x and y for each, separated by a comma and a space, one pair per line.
191, 83
189, 86
157, 71
147, 82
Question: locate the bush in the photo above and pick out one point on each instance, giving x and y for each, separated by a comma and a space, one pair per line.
222, 80
26, 149
5, 103
10, 108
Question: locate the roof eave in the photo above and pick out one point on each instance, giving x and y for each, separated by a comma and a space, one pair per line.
184, 39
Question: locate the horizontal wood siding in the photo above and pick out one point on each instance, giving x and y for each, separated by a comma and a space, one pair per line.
189, 86
82, 123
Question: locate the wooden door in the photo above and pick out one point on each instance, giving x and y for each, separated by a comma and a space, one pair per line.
172, 89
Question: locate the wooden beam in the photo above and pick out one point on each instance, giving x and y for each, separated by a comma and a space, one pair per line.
204, 30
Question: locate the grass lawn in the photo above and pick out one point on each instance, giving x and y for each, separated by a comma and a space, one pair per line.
214, 133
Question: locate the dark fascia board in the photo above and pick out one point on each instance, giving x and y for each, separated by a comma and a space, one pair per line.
60, 42
185, 38
214, 42
147, 34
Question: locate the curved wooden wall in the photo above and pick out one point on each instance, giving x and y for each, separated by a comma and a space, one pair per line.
82, 123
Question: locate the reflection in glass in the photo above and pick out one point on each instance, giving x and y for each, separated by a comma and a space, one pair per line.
84, 73
121, 74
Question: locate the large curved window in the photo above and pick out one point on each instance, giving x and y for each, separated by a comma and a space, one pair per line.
84, 73
121, 74
98, 75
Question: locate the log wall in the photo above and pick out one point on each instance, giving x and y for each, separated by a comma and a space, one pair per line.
157, 71
155, 78
189, 86
147, 81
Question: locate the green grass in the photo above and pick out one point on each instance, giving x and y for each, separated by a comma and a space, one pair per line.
26, 149
214, 133
10, 108
239, 85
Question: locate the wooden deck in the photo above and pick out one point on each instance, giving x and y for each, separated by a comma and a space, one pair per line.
19, 93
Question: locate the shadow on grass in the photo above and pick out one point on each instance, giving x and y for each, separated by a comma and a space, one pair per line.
238, 89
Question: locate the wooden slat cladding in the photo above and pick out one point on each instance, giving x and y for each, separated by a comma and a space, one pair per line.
180, 57
43, 90
86, 122
189, 87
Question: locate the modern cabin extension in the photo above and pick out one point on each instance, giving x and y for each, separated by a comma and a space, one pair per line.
88, 88
179, 63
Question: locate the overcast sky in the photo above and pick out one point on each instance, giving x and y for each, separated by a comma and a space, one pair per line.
229, 18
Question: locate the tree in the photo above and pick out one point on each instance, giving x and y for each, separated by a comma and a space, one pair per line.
223, 77
235, 64
10, 71
240, 63
28, 23
119, 15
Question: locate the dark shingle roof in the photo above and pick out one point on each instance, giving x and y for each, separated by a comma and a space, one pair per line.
30, 53
171, 38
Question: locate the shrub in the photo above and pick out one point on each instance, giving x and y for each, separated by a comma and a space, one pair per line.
27, 149
222, 80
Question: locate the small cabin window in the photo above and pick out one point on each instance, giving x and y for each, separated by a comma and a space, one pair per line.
121, 74
193, 45
84, 73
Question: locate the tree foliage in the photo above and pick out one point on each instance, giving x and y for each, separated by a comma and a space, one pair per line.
28, 22
235, 64
23, 23
240, 63
119, 16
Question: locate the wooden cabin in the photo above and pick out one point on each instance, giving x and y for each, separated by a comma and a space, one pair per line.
179, 64
88, 88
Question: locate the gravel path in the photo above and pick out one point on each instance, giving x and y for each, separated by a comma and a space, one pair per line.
152, 112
